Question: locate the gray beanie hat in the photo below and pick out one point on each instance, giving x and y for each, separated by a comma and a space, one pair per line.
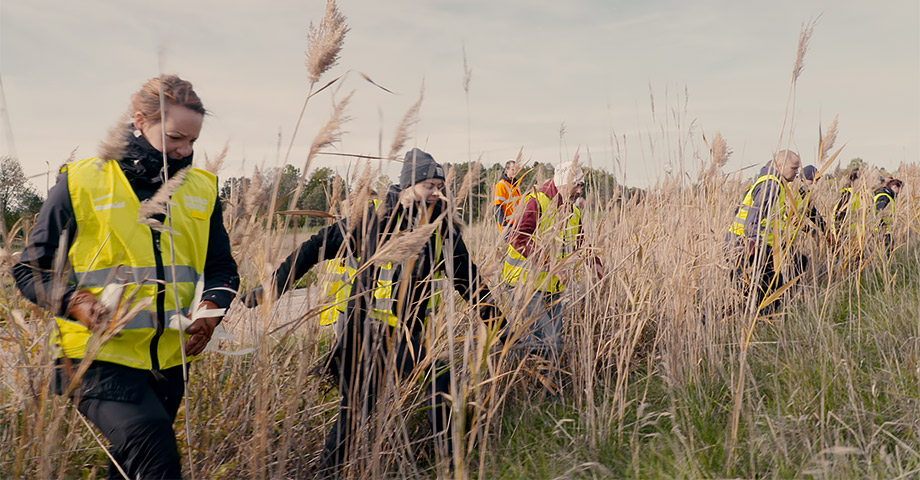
417, 167
809, 172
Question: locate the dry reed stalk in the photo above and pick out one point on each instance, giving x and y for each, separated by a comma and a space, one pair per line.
326, 137
409, 120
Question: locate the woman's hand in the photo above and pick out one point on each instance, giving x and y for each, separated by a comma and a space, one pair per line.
85, 308
201, 330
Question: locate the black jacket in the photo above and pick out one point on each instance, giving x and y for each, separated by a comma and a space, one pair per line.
883, 200
365, 238
142, 165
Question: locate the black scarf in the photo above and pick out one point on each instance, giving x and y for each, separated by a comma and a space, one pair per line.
143, 165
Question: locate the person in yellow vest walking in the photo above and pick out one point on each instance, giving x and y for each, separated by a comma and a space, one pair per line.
394, 292
547, 232
132, 388
884, 196
507, 195
847, 205
760, 224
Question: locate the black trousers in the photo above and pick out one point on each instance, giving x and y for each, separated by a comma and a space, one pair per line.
768, 279
135, 410
364, 368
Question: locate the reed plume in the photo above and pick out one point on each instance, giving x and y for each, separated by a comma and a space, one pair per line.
472, 175
720, 152
113, 145
804, 38
327, 136
408, 121
406, 244
827, 141
255, 194
217, 163
157, 204
467, 73
360, 197
324, 43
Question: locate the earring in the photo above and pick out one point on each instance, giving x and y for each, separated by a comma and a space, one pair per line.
137, 133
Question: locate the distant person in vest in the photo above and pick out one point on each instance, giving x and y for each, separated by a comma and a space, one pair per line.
847, 202
763, 214
128, 280
884, 196
806, 198
507, 194
394, 295
535, 269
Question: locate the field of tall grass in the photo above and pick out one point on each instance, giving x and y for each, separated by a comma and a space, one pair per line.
667, 370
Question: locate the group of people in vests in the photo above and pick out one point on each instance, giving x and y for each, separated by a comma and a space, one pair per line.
150, 275
383, 308
760, 240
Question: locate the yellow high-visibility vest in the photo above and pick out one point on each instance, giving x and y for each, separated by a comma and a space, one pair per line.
887, 214
338, 284
384, 306
340, 273
112, 247
515, 268
737, 226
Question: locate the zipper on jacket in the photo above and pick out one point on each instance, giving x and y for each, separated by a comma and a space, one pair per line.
161, 302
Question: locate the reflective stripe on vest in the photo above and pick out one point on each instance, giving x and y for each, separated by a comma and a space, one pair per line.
516, 266
737, 226
110, 246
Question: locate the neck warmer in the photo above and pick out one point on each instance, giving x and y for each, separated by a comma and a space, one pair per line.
143, 164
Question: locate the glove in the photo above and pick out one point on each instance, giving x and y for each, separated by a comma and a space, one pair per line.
85, 308
253, 297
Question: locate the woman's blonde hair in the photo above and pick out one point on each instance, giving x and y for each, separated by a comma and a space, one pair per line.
176, 91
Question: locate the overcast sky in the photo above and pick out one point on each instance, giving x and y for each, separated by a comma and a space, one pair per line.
594, 66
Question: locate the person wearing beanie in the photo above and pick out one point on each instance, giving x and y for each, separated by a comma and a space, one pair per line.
394, 303
847, 203
806, 202
542, 245
809, 174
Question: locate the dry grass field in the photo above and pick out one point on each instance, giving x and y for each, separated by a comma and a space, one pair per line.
667, 371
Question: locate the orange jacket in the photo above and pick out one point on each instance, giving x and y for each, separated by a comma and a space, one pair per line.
507, 195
